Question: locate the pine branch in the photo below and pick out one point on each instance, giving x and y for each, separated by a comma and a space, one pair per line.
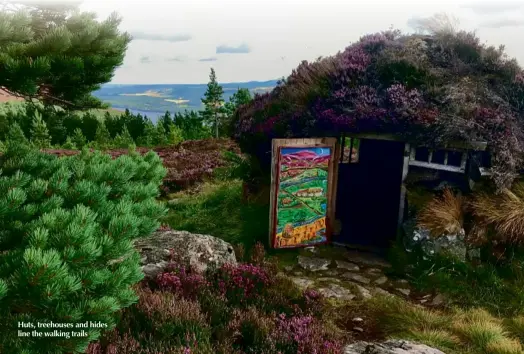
41, 96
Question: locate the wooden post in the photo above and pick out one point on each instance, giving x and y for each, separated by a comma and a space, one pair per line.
405, 171
272, 201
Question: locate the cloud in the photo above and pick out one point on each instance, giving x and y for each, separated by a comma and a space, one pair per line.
241, 49
208, 59
160, 37
487, 8
145, 60
178, 59
500, 23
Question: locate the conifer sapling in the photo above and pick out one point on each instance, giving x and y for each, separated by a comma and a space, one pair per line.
79, 139
67, 227
102, 136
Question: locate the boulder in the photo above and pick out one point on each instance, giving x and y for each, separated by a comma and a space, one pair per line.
452, 245
198, 251
390, 347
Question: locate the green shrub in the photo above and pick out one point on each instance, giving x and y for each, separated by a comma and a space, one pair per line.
79, 139
69, 145
124, 139
39, 133
66, 240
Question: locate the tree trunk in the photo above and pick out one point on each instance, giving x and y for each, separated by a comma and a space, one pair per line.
216, 125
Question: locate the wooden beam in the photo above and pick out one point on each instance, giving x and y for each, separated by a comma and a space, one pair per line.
436, 166
405, 171
463, 161
461, 145
372, 136
472, 145
338, 149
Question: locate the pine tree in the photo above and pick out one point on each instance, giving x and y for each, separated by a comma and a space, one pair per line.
69, 145
124, 139
148, 138
15, 136
213, 102
66, 245
102, 137
79, 139
39, 134
239, 98
53, 52
175, 135
166, 121
161, 137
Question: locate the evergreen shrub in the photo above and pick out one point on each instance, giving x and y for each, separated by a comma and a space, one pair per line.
67, 227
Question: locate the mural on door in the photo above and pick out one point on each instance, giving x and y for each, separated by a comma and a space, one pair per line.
302, 196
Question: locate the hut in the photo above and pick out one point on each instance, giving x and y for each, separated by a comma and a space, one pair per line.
439, 108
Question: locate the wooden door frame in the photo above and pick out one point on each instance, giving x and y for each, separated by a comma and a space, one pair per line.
276, 146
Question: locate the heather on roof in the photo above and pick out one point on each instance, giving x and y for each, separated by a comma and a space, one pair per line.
426, 89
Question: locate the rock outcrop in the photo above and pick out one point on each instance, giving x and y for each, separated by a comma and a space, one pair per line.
390, 347
452, 245
199, 251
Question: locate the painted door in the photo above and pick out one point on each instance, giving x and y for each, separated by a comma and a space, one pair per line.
301, 192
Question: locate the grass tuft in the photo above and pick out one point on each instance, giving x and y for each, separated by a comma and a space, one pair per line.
437, 338
217, 210
454, 331
504, 212
443, 215
515, 326
396, 315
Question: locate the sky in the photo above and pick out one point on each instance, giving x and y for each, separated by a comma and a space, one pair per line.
178, 41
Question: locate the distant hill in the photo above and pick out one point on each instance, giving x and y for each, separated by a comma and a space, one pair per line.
154, 100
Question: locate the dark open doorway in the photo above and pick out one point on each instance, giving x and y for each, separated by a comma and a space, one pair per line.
368, 196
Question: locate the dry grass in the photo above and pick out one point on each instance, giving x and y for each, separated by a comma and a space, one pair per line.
454, 331
503, 212
443, 215
436, 338
480, 330
515, 326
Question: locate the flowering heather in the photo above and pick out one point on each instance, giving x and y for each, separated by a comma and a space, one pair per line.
354, 59
402, 98
117, 344
188, 163
165, 306
519, 78
313, 302
304, 335
251, 329
241, 282
421, 88
180, 280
